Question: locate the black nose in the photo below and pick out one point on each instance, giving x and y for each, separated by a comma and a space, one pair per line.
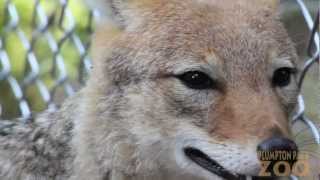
278, 144
278, 152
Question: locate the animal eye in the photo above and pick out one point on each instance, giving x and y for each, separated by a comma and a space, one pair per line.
282, 77
196, 80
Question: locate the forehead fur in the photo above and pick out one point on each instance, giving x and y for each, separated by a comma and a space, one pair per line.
219, 19
236, 31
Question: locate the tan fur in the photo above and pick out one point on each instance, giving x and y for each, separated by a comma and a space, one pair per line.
133, 119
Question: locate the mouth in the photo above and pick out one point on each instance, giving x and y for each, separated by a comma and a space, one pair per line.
211, 165
214, 167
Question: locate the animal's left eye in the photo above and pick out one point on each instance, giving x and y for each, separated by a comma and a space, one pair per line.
282, 77
196, 80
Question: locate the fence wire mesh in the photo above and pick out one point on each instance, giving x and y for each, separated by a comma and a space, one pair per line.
37, 53
44, 56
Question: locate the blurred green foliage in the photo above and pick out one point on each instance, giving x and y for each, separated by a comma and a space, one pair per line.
17, 53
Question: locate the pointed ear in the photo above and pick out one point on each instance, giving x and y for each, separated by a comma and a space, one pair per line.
118, 12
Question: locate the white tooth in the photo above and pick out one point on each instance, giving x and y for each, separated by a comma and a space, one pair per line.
248, 177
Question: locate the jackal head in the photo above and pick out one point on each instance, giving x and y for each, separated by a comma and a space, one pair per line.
195, 85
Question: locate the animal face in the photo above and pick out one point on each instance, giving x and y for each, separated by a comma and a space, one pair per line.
211, 79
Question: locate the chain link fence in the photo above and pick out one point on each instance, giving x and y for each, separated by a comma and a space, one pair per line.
44, 56
313, 51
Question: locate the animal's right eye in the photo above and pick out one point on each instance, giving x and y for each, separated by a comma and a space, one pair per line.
282, 77
196, 80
